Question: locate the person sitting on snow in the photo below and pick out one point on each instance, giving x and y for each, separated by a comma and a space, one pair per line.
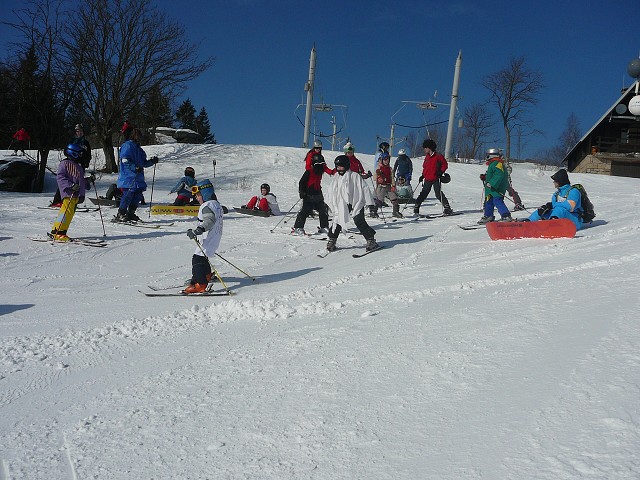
566, 202
266, 201
403, 189
183, 188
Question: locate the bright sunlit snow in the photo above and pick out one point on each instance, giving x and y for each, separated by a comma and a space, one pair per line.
443, 356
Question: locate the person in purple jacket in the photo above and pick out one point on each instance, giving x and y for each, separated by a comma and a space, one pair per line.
72, 185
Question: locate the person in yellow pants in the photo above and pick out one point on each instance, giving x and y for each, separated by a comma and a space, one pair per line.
72, 184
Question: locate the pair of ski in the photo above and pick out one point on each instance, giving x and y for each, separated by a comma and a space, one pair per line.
143, 224
164, 292
78, 209
437, 215
87, 242
355, 255
311, 236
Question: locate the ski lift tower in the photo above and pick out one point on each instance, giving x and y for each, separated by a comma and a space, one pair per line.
448, 153
328, 107
308, 87
323, 107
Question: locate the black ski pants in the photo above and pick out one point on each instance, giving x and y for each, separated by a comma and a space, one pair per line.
200, 268
437, 190
308, 206
361, 224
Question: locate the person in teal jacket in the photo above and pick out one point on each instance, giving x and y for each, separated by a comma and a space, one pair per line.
183, 188
496, 182
566, 201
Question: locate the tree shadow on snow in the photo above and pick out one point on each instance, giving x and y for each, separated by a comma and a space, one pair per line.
7, 309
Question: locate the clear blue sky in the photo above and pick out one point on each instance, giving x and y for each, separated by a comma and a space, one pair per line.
372, 55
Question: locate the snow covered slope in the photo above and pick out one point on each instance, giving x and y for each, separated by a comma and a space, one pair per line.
444, 355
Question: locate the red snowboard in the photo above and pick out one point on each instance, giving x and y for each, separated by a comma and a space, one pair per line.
556, 228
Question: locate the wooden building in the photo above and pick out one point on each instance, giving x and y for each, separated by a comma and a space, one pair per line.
612, 145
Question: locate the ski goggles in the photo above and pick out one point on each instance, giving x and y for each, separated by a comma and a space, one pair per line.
196, 188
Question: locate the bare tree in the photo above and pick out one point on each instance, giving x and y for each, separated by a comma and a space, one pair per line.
571, 134
126, 48
568, 139
514, 89
45, 82
478, 124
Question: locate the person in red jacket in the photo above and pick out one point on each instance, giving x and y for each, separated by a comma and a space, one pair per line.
386, 187
308, 160
433, 168
21, 139
310, 189
355, 165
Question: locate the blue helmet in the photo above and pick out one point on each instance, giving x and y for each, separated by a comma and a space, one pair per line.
205, 187
74, 151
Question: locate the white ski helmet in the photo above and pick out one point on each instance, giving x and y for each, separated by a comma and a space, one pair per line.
402, 151
493, 152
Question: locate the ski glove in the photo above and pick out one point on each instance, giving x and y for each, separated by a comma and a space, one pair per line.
302, 194
483, 177
420, 179
192, 234
154, 160
75, 187
545, 208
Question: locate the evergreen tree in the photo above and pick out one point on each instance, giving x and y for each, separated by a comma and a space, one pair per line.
203, 127
156, 109
186, 115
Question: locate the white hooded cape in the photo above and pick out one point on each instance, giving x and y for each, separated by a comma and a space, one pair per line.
348, 189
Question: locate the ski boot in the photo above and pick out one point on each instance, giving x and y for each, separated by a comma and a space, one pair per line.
195, 288
331, 244
371, 244
507, 218
486, 219
447, 211
396, 210
132, 217
373, 212
121, 217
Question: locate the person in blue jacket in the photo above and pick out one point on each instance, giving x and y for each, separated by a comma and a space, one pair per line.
183, 188
133, 161
566, 202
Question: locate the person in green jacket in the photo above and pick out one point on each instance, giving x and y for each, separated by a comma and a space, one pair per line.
496, 182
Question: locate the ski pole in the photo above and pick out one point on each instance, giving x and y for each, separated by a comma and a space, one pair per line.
512, 201
213, 269
240, 270
285, 216
104, 232
153, 181
414, 200
384, 220
408, 199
